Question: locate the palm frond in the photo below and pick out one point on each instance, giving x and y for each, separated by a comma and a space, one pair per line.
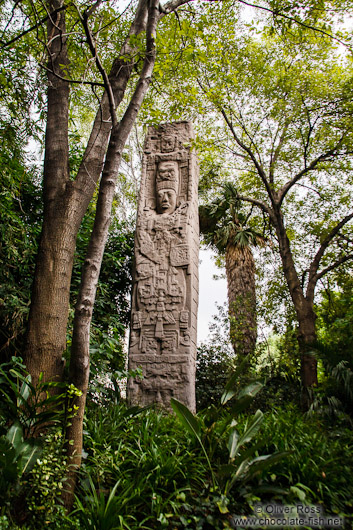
222, 222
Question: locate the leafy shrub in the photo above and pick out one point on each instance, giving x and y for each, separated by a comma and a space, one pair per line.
335, 320
215, 361
236, 478
212, 372
144, 470
147, 459
32, 407
319, 467
45, 483
17, 457
32, 465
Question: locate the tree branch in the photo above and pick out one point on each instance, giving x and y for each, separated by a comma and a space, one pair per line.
313, 274
277, 152
92, 9
256, 202
41, 21
79, 365
74, 81
251, 137
328, 240
147, 69
251, 154
92, 46
325, 156
170, 6
119, 76
334, 266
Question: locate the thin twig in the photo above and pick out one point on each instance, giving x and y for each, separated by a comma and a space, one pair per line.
74, 81
93, 48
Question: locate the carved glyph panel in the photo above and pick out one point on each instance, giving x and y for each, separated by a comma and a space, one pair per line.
165, 283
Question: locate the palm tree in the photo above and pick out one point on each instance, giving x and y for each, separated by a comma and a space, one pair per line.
224, 228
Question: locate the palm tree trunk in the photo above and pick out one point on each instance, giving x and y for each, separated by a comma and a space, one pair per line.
240, 270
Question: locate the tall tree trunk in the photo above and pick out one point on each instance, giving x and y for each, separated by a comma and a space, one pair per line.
240, 270
46, 334
79, 363
65, 201
304, 309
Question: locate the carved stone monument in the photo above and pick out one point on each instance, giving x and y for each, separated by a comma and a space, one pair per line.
165, 283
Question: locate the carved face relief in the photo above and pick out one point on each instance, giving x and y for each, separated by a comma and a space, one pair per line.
166, 201
169, 345
167, 184
167, 170
149, 345
168, 144
145, 289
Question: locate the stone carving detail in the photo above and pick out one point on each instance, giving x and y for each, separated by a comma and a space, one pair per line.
165, 290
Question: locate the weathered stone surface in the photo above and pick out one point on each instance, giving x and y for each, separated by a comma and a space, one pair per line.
165, 287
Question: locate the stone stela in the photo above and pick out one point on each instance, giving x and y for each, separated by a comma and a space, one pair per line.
165, 279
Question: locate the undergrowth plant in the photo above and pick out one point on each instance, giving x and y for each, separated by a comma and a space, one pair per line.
32, 465
217, 431
145, 457
319, 466
149, 469
143, 469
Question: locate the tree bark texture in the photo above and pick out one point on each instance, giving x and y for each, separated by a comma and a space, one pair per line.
240, 271
79, 363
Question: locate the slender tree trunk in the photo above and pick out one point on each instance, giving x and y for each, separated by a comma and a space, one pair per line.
65, 201
304, 309
307, 340
79, 363
240, 270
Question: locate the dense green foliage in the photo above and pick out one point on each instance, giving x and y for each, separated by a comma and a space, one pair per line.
144, 469
335, 319
26, 414
319, 463
212, 371
20, 212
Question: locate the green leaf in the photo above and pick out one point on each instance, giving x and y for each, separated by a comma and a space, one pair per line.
250, 390
30, 453
222, 504
233, 443
298, 492
241, 404
227, 469
26, 388
245, 397
190, 422
252, 429
262, 462
241, 470
249, 452
230, 388
15, 435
